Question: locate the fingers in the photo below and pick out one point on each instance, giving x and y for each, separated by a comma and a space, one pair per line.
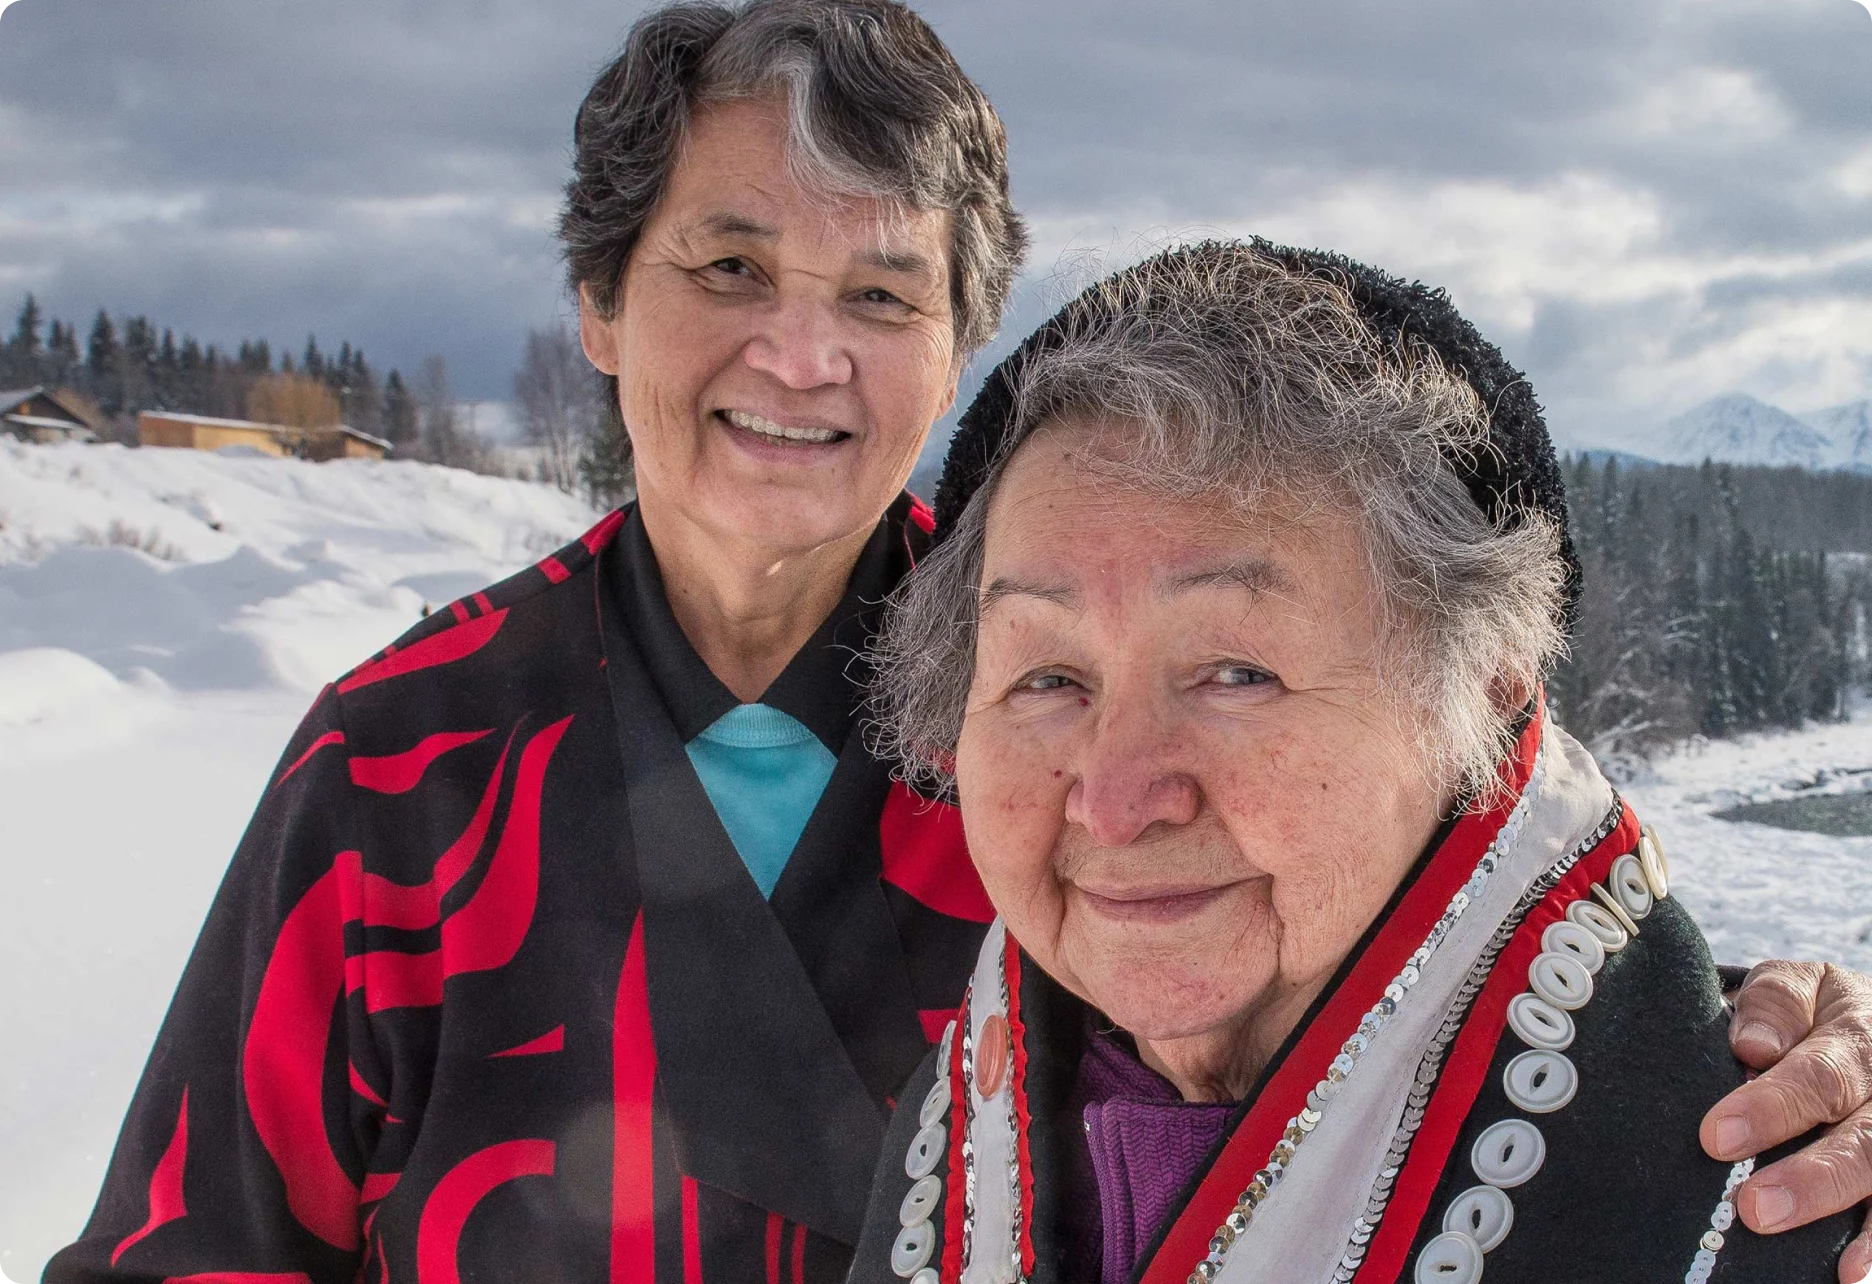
1824, 1079
1775, 1010
1855, 1265
1832, 1174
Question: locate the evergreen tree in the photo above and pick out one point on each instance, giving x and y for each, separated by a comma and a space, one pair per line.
399, 414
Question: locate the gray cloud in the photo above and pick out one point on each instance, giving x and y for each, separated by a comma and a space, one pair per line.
1645, 201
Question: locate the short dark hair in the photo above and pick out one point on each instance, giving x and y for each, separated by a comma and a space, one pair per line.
878, 107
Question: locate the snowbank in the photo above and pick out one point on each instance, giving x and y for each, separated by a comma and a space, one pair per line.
165, 616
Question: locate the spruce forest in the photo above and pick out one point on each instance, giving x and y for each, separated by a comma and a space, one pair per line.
1718, 599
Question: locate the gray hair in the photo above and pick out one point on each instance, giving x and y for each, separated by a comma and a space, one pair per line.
1234, 378
877, 105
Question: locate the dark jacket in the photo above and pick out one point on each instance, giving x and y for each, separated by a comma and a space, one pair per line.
488, 994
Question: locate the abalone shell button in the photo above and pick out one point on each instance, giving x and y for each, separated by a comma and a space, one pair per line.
926, 1151
1561, 980
1483, 1213
1508, 1153
1567, 937
1539, 1023
1595, 919
936, 1104
1540, 1082
911, 1252
1652, 863
920, 1201
1450, 1258
991, 1056
1628, 884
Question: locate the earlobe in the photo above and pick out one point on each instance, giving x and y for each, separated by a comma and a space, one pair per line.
595, 335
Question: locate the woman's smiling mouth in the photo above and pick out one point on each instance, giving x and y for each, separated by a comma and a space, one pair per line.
767, 430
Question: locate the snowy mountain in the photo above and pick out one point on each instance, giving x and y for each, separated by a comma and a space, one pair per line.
1738, 429
1850, 429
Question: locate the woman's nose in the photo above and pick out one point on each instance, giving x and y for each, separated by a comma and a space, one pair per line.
1130, 779
801, 344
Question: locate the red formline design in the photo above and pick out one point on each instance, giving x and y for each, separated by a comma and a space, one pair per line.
364, 1090
554, 570
241, 1277
691, 1234
926, 855
165, 1188
921, 516
776, 1227
446, 647
1466, 1067
933, 1021
552, 1041
325, 741
602, 534
438, 1232
460, 612
799, 1254
398, 773
377, 1185
486, 607
633, 1080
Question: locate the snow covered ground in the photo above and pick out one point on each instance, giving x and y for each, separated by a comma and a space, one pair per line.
165, 617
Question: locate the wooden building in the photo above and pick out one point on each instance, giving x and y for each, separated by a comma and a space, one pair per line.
38, 415
202, 432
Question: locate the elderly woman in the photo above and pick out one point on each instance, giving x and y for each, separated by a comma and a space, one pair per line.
580, 934
1323, 952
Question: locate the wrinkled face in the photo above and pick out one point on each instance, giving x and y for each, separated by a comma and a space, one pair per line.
781, 353
1178, 779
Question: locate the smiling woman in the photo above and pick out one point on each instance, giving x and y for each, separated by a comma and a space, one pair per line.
1322, 951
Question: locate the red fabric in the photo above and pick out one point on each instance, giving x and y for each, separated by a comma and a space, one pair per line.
633, 1065
165, 1188
1247, 1150
552, 1041
241, 1277
691, 1234
377, 1185
455, 1196
926, 855
921, 516
451, 644
1466, 1067
554, 570
398, 773
1017, 1085
329, 738
935, 1020
776, 1226
598, 536
799, 1254
364, 1090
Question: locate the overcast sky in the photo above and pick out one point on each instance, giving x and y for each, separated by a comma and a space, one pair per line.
1646, 202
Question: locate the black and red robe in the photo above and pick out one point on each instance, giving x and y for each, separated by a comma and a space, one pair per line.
487, 993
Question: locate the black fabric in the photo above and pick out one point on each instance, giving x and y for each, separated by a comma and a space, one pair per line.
1626, 1192
479, 1041
1516, 472
821, 686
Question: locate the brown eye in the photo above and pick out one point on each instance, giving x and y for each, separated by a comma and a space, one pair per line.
1047, 682
1241, 675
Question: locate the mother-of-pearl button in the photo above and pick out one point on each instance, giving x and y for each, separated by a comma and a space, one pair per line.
927, 1275
1540, 1082
926, 1151
920, 1201
936, 1104
1562, 980
1450, 1258
1570, 938
911, 1252
1651, 861
1627, 883
1508, 1153
1539, 1023
1484, 1213
1595, 919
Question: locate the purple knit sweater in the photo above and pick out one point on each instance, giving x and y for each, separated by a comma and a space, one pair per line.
1143, 1144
